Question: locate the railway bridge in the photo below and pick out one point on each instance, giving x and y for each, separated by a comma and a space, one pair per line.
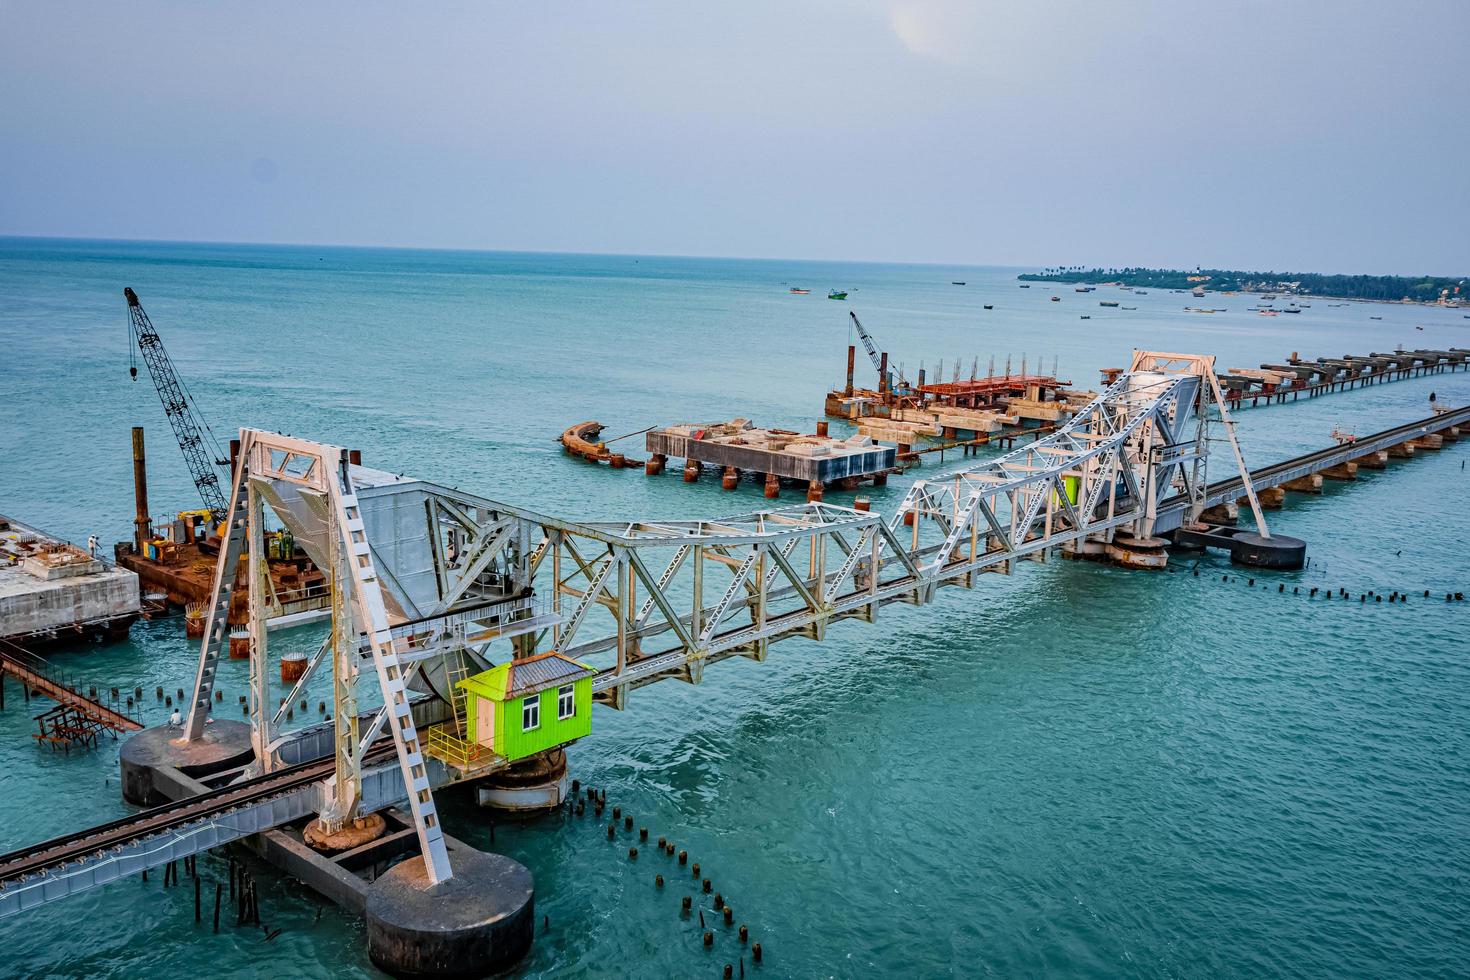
440, 596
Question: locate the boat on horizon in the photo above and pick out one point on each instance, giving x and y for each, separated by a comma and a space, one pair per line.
1056, 299
957, 282
837, 294
798, 291
1107, 302
989, 306
1025, 285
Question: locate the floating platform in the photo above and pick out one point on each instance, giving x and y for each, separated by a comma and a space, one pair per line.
739, 447
51, 591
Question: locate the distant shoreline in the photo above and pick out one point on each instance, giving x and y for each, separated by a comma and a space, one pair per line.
1437, 291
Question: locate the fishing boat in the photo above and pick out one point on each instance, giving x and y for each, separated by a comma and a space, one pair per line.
1139, 292
1267, 312
1375, 318
1086, 317
1130, 307
989, 306
957, 282
837, 294
1107, 302
1025, 285
1056, 299
1290, 309
798, 291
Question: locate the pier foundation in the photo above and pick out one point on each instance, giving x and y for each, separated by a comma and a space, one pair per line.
1311, 483
152, 761
1376, 460
1272, 498
478, 923
526, 788
1404, 450
1342, 471
1131, 552
1276, 552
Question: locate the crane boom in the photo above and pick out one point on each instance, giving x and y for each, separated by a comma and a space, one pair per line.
179, 407
872, 349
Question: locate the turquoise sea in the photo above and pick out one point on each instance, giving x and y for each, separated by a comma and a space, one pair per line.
1072, 771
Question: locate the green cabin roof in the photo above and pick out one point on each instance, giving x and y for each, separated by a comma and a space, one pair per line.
505, 682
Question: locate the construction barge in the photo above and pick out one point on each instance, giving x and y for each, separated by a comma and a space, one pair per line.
737, 447
53, 592
174, 561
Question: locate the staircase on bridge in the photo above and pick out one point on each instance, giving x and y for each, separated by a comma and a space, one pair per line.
78, 718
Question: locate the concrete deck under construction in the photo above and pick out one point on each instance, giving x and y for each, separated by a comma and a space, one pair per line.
738, 446
51, 590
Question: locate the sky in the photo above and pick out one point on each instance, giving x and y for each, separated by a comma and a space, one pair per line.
1303, 135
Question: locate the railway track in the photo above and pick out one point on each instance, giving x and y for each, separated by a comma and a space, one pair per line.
19, 865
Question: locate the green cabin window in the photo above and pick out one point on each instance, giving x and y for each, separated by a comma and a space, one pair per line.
531, 713
566, 703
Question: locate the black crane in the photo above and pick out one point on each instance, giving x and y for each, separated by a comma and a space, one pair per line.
179, 406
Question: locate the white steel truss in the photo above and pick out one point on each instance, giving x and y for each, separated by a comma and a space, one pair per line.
427, 572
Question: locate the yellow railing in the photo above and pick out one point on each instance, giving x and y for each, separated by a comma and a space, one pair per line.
452, 750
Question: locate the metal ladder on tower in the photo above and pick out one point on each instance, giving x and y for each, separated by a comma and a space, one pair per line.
372, 615
217, 625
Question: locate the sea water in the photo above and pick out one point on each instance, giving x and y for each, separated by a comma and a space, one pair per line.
1074, 770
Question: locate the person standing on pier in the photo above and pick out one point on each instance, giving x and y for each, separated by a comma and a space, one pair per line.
92, 545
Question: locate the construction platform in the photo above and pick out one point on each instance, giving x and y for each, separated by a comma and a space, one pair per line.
1300, 378
52, 591
738, 447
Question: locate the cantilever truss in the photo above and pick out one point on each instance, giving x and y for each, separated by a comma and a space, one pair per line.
426, 574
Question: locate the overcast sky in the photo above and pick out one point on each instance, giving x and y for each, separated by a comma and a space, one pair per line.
1313, 135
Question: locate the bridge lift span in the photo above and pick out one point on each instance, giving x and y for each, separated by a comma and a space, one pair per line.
426, 579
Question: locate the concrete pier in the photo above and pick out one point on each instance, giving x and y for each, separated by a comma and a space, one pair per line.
52, 591
478, 923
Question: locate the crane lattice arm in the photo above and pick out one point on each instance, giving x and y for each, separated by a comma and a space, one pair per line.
179, 407
872, 349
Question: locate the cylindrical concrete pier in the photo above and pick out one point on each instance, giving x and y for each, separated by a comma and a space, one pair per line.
478, 923
1278, 551
526, 788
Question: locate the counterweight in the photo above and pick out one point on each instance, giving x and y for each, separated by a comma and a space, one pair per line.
178, 406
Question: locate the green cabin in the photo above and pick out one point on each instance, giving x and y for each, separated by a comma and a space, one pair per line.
527, 706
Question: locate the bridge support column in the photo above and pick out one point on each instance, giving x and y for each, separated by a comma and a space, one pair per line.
773, 486
730, 479
1272, 498
1452, 434
1376, 460
478, 923
655, 464
1311, 483
527, 788
1226, 513
148, 758
692, 469
1404, 450
1342, 471
1431, 440
1277, 552
1131, 552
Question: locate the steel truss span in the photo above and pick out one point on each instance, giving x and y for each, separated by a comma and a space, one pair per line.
426, 578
